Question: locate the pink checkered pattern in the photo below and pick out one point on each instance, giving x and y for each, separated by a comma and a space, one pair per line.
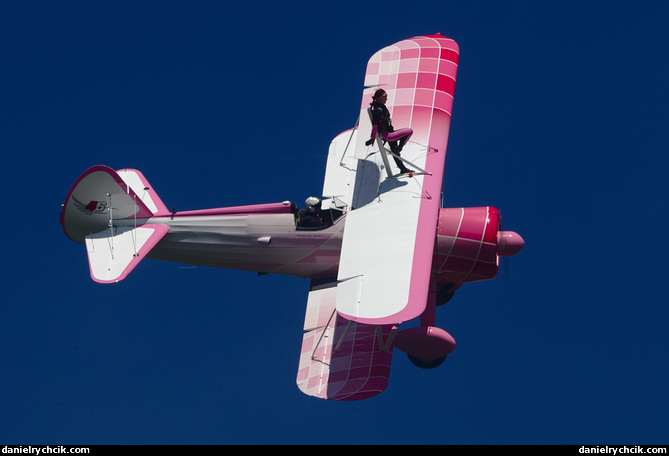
419, 76
359, 369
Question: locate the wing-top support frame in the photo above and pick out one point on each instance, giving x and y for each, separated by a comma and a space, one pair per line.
384, 156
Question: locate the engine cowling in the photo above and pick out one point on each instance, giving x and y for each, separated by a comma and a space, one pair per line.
469, 244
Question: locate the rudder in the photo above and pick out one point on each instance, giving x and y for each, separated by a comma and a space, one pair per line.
101, 194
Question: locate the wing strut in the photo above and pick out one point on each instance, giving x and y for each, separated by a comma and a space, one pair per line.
384, 157
384, 346
327, 326
343, 336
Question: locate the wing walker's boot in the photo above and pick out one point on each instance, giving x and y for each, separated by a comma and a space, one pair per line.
400, 163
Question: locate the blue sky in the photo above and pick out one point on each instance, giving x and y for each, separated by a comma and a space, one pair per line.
559, 121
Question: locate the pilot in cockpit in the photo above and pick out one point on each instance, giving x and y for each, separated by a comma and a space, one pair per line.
312, 216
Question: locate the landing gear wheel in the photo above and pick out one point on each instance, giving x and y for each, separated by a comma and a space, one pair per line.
445, 292
426, 363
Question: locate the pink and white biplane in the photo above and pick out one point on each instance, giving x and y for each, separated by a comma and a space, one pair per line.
383, 252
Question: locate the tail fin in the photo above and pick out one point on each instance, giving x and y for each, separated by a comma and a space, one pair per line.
108, 211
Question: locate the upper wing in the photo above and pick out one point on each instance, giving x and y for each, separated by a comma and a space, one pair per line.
388, 243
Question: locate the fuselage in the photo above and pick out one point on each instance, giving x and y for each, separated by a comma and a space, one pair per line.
274, 239
268, 239
270, 242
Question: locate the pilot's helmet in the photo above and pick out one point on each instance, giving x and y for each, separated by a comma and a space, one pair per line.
312, 203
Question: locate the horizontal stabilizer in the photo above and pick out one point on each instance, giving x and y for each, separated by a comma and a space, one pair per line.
341, 360
111, 257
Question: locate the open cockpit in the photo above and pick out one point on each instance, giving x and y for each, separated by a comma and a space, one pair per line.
314, 216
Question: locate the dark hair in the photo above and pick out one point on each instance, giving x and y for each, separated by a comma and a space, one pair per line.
376, 95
